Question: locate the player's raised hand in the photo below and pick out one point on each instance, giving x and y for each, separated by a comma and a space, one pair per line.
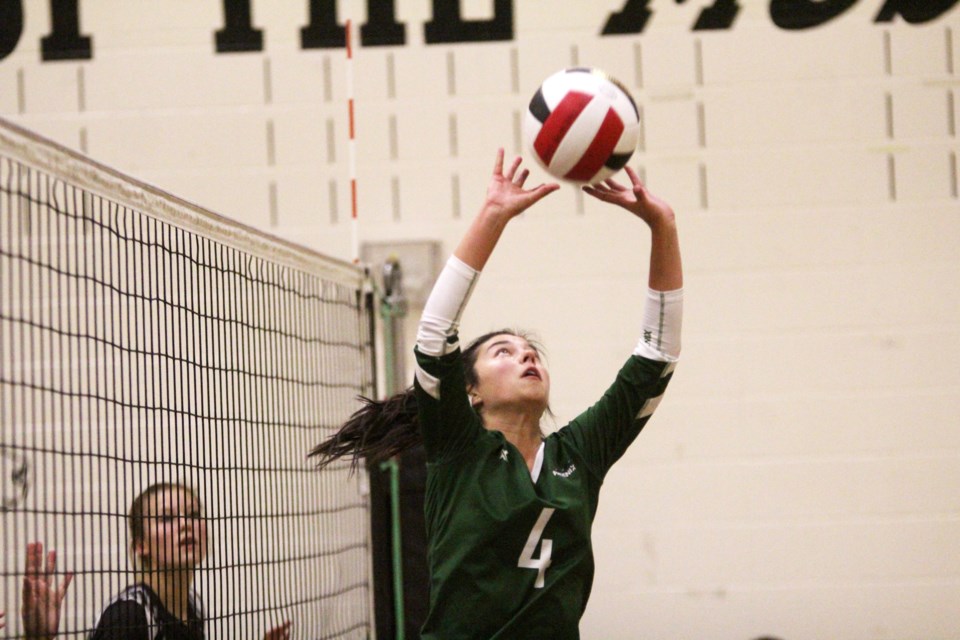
506, 194
42, 597
281, 632
506, 198
635, 198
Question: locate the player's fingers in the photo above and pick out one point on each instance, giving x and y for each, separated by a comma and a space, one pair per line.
541, 191
498, 163
513, 168
613, 185
600, 194
640, 192
62, 589
51, 562
34, 553
522, 177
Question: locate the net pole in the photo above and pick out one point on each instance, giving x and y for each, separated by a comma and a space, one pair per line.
354, 231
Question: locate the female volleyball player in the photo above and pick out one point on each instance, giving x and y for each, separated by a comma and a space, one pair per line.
509, 511
168, 540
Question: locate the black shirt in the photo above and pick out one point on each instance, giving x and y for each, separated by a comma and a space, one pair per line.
137, 613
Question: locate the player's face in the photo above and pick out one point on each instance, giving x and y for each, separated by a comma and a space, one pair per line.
510, 374
174, 532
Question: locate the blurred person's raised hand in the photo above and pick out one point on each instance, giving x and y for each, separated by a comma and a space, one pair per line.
42, 597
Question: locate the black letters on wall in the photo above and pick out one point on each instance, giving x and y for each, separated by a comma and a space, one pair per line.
718, 16
912, 11
324, 32
382, 28
804, 14
11, 26
635, 14
238, 33
447, 25
65, 41
631, 19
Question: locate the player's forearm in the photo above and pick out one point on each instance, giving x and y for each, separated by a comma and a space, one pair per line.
481, 238
663, 309
666, 267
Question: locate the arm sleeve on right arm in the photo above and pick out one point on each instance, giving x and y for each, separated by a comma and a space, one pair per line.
447, 421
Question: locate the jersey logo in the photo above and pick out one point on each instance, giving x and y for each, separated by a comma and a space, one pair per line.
503, 454
565, 473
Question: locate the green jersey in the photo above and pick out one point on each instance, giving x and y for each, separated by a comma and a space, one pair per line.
509, 549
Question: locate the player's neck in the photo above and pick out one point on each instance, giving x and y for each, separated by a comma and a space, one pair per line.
521, 429
173, 589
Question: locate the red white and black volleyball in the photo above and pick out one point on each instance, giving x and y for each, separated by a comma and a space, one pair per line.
582, 126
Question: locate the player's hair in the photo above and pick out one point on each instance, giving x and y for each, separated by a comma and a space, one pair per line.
137, 517
381, 429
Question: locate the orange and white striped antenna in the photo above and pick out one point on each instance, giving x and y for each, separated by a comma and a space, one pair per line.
355, 238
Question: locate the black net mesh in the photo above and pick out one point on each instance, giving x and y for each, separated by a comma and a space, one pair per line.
136, 352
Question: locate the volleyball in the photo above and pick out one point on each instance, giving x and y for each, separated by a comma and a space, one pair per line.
582, 126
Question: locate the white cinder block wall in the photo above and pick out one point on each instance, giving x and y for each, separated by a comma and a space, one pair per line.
802, 478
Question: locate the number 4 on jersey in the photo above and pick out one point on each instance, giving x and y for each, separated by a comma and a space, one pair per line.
527, 561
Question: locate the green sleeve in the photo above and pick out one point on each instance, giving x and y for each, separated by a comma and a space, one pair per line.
448, 423
603, 432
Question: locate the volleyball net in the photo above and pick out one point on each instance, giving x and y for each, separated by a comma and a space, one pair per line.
144, 340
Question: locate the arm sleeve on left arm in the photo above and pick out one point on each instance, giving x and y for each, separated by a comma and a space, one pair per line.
662, 319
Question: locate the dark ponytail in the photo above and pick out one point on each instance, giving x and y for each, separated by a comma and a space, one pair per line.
377, 431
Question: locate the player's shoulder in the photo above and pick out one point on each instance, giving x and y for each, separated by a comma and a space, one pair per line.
122, 618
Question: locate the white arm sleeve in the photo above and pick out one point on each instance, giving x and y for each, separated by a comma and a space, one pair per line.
441, 313
662, 317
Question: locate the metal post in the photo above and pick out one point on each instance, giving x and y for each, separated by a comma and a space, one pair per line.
393, 309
